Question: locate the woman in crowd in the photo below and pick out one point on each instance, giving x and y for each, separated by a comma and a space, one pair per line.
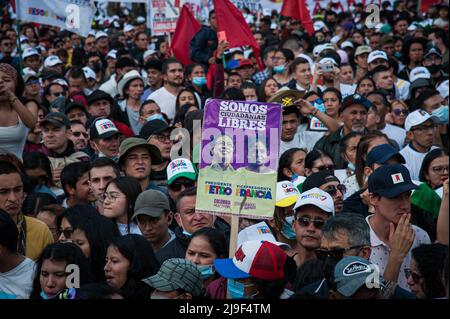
54, 265
49, 215
92, 232
292, 164
316, 161
398, 113
434, 170
195, 75
282, 59
349, 144
129, 259
267, 89
187, 101
332, 99
118, 203
365, 86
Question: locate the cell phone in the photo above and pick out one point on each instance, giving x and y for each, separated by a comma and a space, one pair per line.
221, 36
327, 68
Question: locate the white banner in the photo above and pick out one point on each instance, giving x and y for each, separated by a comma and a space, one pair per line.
73, 15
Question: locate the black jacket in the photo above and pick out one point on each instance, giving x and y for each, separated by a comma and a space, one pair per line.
354, 204
203, 45
330, 144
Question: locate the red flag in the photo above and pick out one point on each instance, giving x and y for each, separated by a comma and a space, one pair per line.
428, 3
187, 27
297, 9
238, 33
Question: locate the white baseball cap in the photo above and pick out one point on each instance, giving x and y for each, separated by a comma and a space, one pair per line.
100, 34
112, 54
89, 73
347, 44
318, 198
335, 39
419, 72
319, 25
128, 28
443, 89
377, 54
61, 82
29, 52
328, 60
148, 53
140, 19
418, 117
287, 194
23, 38
261, 232
52, 60
180, 167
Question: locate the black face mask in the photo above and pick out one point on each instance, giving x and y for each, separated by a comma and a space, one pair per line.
97, 67
433, 68
328, 268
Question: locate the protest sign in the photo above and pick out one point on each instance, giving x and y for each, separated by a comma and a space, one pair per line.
73, 15
239, 158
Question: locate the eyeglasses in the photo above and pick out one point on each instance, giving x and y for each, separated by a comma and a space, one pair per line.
332, 190
162, 138
306, 221
112, 196
325, 167
335, 253
176, 187
398, 112
424, 128
78, 134
56, 94
415, 276
8, 44
439, 169
67, 232
32, 82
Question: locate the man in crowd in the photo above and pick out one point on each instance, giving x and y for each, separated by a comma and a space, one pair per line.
326, 181
181, 174
78, 135
102, 171
204, 43
75, 183
105, 138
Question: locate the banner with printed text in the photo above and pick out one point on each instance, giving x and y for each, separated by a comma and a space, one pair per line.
239, 158
73, 15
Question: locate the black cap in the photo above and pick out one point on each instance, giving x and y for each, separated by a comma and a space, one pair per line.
431, 49
76, 105
390, 181
318, 179
154, 127
355, 99
98, 95
56, 119
154, 64
382, 153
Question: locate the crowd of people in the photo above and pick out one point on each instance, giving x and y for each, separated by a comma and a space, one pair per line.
88, 180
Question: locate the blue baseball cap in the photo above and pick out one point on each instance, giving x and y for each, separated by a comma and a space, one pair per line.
355, 99
382, 153
351, 273
390, 181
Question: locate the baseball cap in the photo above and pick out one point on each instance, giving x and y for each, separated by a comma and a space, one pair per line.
148, 53
419, 83
154, 127
443, 89
318, 198
100, 34
128, 28
318, 179
151, 203
319, 25
362, 49
112, 54
29, 52
260, 232
347, 44
98, 95
418, 117
255, 258
287, 194
390, 181
177, 273
381, 154
245, 62
180, 167
432, 50
23, 38
328, 60
140, 20
89, 73
377, 54
351, 273
75, 105
52, 60
132, 142
61, 82
56, 119
419, 72
355, 99
30, 74
103, 128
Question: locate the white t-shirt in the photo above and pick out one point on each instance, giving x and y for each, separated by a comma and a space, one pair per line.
13, 138
396, 133
18, 282
413, 160
166, 101
402, 89
302, 139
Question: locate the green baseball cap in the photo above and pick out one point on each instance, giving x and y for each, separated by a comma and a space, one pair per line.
133, 142
180, 167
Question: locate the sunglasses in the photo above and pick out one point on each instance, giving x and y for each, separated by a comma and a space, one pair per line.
325, 167
398, 112
306, 221
424, 128
78, 134
336, 253
176, 187
332, 190
57, 94
415, 276
32, 82
66, 232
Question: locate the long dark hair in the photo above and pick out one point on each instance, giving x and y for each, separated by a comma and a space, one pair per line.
34, 160
131, 188
313, 156
286, 161
177, 103
143, 263
430, 157
98, 230
215, 238
65, 252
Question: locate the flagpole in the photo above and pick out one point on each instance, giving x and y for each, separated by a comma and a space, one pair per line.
19, 46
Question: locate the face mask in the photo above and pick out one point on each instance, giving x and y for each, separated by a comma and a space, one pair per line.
287, 230
398, 54
237, 289
155, 117
441, 113
206, 271
293, 177
351, 166
97, 67
158, 297
199, 81
433, 68
328, 267
279, 68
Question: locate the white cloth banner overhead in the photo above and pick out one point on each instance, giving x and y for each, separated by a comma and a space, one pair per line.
72, 15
